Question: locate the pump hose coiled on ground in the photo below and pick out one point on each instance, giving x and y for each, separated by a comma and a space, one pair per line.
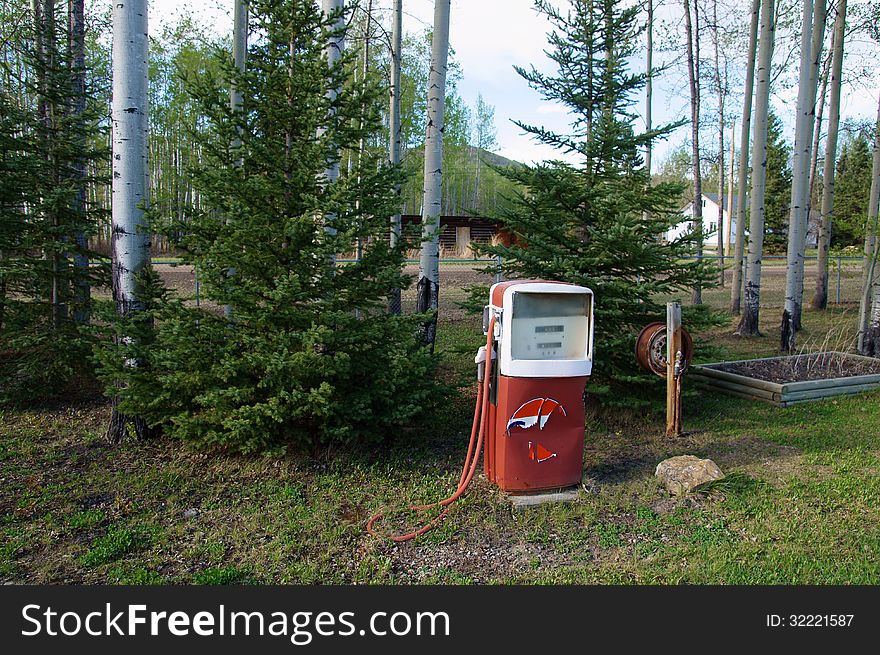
478, 429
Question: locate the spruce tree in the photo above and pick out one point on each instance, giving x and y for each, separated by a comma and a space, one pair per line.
778, 189
310, 355
47, 138
851, 190
599, 222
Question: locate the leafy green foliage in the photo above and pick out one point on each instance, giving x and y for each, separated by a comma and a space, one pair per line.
598, 223
309, 355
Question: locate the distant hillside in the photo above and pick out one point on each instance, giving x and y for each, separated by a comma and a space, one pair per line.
470, 185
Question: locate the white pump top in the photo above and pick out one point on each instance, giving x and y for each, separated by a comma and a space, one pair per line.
545, 330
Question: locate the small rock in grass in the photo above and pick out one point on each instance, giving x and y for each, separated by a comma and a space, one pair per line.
682, 474
190, 513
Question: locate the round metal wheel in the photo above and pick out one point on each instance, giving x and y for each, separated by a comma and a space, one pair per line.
651, 348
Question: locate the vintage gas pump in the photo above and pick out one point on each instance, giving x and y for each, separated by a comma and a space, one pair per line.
529, 410
541, 360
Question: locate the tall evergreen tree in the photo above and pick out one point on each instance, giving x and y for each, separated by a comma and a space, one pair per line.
851, 191
47, 125
778, 188
599, 222
310, 355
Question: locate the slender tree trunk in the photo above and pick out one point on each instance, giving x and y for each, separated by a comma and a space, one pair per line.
362, 141
428, 287
743, 168
811, 49
333, 54
749, 323
77, 56
130, 241
721, 92
820, 116
820, 299
649, 86
730, 190
394, 303
693, 62
236, 100
869, 310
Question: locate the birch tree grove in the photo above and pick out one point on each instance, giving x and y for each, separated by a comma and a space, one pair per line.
743, 167
749, 323
820, 299
693, 63
130, 191
428, 287
395, 136
803, 140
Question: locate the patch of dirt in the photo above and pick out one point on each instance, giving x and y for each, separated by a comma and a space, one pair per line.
801, 368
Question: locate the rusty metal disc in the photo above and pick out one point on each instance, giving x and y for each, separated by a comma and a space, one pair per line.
651, 348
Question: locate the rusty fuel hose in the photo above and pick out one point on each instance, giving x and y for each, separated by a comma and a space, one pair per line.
475, 445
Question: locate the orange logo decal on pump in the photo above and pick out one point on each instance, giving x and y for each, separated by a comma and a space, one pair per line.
537, 453
534, 412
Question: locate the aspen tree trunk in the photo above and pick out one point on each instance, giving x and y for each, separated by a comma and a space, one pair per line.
743, 168
820, 299
362, 142
130, 243
428, 287
77, 57
749, 323
693, 62
236, 101
869, 310
333, 54
817, 130
394, 305
649, 86
803, 139
719, 89
730, 190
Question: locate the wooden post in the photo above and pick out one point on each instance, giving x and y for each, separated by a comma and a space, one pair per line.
674, 366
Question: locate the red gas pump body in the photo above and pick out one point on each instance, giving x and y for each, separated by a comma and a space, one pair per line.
535, 436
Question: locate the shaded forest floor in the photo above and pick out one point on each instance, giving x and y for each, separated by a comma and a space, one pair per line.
800, 504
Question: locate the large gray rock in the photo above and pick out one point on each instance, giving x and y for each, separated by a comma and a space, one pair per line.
682, 474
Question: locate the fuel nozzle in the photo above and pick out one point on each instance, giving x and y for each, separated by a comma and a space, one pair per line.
480, 361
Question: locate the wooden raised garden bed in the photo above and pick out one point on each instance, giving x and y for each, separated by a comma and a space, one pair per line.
791, 379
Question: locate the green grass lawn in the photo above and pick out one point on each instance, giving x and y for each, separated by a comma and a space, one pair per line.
800, 504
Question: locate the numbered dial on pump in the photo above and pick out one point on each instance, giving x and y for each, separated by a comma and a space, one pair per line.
651, 349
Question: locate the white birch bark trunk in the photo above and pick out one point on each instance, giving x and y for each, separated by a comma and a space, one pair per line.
693, 62
743, 168
236, 101
130, 245
428, 286
803, 140
77, 47
869, 310
820, 299
749, 323
394, 305
333, 53
720, 91
649, 85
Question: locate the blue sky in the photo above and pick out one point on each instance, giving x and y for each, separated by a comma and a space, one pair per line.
490, 36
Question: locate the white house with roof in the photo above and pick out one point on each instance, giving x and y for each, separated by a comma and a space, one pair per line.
714, 215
